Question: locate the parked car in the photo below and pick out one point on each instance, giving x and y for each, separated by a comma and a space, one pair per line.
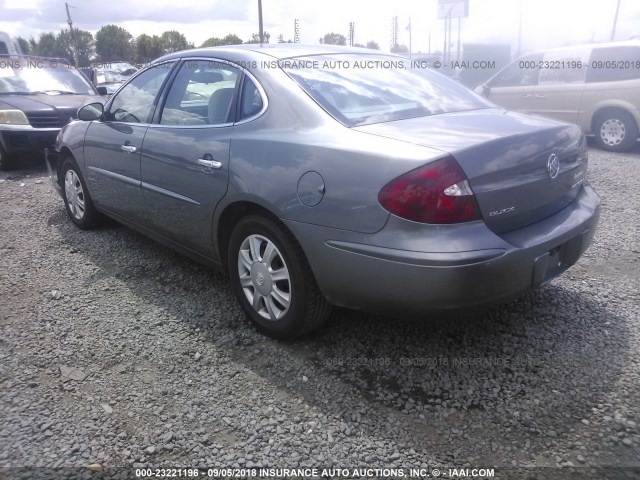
109, 75
595, 86
315, 183
37, 97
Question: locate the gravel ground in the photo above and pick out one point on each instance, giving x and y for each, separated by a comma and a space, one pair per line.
119, 352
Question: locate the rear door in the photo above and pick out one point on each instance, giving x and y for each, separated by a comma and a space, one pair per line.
112, 146
561, 84
513, 88
185, 156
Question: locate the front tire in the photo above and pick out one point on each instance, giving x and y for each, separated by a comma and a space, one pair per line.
616, 131
272, 279
6, 163
76, 196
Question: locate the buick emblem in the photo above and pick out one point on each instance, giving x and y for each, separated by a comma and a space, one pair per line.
553, 166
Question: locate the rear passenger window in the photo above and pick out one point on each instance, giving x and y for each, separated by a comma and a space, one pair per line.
252, 102
612, 64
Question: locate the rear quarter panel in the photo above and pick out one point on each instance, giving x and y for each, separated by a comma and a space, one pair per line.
270, 154
597, 96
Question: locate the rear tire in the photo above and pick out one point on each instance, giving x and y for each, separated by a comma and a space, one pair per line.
76, 196
272, 279
615, 130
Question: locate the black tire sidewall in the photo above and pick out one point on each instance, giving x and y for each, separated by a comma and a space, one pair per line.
88, 218
630, 127
292, 323
6, 162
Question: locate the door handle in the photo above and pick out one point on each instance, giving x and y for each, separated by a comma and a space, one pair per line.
540, 95
526, 95
205, 162
128, 148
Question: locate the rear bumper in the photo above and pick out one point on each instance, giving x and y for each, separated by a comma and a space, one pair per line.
412, 268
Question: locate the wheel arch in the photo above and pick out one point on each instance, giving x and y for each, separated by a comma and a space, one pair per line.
231, 215
602, 110
65, 152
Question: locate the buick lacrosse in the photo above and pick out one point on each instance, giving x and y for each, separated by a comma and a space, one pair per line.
319, 176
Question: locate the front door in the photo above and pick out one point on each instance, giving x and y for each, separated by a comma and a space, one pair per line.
185, 155
113, 145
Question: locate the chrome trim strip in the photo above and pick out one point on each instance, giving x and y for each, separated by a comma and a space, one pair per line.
116, 176
168, 193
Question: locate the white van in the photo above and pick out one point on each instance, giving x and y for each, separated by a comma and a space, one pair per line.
8, 46
596, 86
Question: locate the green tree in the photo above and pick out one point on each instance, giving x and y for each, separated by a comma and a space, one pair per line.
334, 39
148, 48
114, 43
24, 44
47, 46
86, 46
211, 42
231, 39
81, 43
255, 38
173, 41
397, 48
282, 40
373, 45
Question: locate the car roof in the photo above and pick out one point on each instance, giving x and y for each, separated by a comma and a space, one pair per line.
588, 46
275, 50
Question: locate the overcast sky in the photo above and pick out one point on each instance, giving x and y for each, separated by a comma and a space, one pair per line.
545, 23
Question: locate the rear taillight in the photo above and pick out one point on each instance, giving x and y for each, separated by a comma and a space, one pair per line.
435, 193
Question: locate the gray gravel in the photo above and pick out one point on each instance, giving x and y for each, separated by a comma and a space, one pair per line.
118, 352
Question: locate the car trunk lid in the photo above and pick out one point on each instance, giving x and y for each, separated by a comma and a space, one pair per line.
521, 168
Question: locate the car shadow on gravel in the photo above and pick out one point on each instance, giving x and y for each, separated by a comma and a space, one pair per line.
506, 383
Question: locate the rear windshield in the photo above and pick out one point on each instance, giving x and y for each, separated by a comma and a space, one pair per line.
364, 89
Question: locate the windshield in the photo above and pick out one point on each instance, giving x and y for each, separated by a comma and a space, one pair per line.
363, 89
26, 77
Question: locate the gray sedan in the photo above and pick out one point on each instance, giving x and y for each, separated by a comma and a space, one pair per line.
319, 176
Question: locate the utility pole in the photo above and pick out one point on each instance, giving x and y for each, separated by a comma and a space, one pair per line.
74, 46
352, 33
520, 32
296, 31
261, 33
410, 47
615, 21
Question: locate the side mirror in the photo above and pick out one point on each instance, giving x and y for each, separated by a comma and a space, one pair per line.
102, 90
92, 111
